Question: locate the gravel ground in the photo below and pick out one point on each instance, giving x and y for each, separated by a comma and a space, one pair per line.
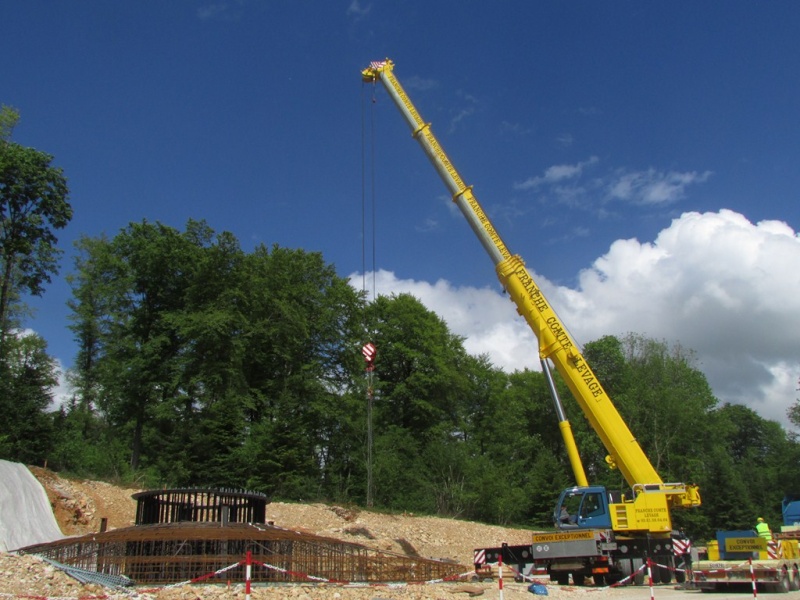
30, 576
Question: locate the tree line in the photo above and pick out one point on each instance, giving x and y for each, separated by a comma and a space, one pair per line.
202, 364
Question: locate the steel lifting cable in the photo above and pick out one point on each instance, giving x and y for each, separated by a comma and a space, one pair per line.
369, 348
364, 189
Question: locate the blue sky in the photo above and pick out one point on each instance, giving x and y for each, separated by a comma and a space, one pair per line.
644, 158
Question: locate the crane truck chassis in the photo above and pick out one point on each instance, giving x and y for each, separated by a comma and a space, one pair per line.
610, 535
602, 556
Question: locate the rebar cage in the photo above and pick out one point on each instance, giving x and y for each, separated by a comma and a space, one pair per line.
178, 552
190, 534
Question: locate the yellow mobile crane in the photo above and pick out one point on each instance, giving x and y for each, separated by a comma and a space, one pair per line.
606, 536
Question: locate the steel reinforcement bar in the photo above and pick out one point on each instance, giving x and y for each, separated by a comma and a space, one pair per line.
171, 553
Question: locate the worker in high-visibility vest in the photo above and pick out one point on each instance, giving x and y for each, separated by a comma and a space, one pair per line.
762, 529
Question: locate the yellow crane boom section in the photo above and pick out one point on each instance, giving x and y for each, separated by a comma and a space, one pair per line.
555, 342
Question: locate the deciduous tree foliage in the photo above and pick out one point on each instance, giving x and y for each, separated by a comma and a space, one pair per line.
193, 350
421, 385
33, 206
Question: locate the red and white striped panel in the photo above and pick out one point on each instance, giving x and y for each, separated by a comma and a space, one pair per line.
681, 546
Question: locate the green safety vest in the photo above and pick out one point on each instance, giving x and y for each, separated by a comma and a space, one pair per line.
762, 529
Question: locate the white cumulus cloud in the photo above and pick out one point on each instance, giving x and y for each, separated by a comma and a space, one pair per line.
652, 187
555, 174
716, 283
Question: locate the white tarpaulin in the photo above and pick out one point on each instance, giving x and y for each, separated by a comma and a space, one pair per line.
26, 517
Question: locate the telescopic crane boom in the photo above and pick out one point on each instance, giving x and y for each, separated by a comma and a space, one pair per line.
555, 343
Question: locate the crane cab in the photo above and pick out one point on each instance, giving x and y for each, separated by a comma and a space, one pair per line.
594, 507
583, 508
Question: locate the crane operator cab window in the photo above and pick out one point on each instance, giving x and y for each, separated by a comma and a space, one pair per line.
570, 508
592, 505
582, 507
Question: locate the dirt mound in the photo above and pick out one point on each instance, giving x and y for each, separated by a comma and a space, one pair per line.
80, 505
428, 537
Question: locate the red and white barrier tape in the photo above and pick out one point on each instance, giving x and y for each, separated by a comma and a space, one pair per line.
204, 577
249, 562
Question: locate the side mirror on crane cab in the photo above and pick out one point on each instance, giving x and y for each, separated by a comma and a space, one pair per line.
582, 508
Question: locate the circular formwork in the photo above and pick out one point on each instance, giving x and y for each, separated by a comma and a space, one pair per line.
196, 505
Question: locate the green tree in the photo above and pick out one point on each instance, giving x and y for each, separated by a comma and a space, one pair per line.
794, 411
144, 348
419, 403
607, 360
86, 441
92, 307
666, 405
9, 117
27, 377
203, 423
84, 444
127, 292
217, 366
33, 205
519, 464
750, 453
420, 381
301, 334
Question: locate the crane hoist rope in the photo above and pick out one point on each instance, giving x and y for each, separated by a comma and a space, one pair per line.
365, 192
368, 350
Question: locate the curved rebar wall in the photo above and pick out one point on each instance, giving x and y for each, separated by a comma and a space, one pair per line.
197, 505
